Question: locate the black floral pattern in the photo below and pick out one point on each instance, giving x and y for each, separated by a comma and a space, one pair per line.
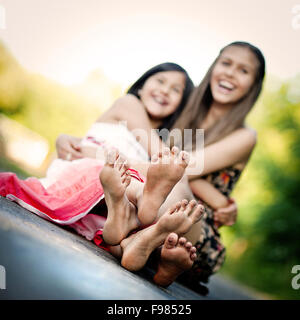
210, 250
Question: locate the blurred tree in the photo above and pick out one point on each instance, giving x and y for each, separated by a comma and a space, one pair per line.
12, 82
264, 245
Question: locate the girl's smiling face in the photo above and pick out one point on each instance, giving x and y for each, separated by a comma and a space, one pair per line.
161, 93
233, 74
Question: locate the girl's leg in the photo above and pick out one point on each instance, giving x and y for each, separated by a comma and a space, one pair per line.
176, 256
164, 172
124, 195
116, 183
178, 219
180, 191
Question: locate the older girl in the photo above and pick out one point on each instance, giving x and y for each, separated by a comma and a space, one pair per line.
219, 105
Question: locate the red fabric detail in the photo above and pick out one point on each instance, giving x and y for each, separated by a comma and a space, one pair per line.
136, 175
99, 241
70, 196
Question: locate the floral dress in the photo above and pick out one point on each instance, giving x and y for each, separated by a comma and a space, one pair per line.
210, 250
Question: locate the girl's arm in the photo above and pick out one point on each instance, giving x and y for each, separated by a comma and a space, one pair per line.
205, 191
129, 109
234, 149
68, 147
225, 210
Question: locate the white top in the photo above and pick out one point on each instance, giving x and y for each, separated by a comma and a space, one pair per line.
106, 135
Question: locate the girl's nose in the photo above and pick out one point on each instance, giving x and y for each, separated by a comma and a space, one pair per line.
164, 89
229, 71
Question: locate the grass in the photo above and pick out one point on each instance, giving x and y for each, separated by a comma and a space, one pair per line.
8, 166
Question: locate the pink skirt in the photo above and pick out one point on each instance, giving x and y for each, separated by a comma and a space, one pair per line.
69, 194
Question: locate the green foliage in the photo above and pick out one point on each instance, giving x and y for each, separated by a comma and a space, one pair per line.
8, 166
50, 109
12, 83
46, 107
264, 244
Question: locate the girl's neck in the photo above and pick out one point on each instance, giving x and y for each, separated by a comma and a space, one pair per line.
215, 113
155, 123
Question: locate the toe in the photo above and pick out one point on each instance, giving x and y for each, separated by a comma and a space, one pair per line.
183, 204
120, 162
154, 158
126, 165
166, 156
111, 157
193, 256
184, 157
171, 241
178, 205
124, 168
174, 208
175, 151
197, 213
182, 241
127, 181
166, 151
190, 206
193, 249
188, 246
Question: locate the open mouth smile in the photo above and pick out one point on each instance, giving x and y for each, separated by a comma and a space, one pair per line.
226, 86
160, 100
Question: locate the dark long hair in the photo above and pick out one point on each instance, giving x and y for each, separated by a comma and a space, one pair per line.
167, 66
200, 101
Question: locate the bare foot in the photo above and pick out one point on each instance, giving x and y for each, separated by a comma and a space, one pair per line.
177, 256
179, 219
165, 170
121, 218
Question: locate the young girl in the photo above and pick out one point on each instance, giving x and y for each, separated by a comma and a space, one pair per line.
72, 188
219, 105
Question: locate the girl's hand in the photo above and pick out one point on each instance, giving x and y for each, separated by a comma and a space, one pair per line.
68, 147
226, 216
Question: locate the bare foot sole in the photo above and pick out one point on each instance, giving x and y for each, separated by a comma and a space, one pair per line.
179, 219
121, 218
165, 170
177, 256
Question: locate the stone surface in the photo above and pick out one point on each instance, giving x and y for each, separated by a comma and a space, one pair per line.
44, 261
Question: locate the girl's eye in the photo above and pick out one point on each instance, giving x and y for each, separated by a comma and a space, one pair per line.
225, 63
177, 90
244, 71
160, 80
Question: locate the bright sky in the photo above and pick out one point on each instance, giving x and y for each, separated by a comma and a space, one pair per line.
66, 39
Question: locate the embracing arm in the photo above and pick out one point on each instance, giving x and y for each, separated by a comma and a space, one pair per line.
235, 148
131, 110
68, 147
225, 209
205, 191
127, 109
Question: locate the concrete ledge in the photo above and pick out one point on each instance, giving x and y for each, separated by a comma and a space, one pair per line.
45, 261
